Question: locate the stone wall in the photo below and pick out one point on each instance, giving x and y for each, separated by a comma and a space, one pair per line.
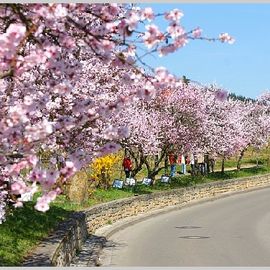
103, 214
60, 248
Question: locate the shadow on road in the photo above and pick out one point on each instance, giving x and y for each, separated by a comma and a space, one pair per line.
194, 237
114, 245
187, 227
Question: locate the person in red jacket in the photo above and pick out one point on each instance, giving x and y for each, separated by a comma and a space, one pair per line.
127, 164
173, 162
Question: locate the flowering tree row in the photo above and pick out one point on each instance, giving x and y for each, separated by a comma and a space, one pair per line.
66, 72
194, 119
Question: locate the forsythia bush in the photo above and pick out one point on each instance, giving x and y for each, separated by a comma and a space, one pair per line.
102, 168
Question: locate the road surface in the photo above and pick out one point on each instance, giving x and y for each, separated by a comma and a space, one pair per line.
232, 231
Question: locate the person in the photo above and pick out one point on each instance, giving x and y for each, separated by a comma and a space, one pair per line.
211, 163
187, 157
200, 157
173, 161
183, 164
127, 164
206, 163
192, 163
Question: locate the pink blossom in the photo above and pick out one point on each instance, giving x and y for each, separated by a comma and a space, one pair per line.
69, 169
225, 37
107, 45
28, 100
161, 73
152, 36
17, 167
166, 50
63, 88
49, 179
58, 191
109, 148
42, 204
175, 30
146, 93
122, 27
37, 175
53, 160
60, 11
52, 195
132, 20
197, 32
180, 41
18, 204
123, 132
221, 95
174, 15
148, 14
113, 9
111, 26
15, 32
51, 52
110, 11
33, 160
68, 42
18, 187
39, 131
110, 133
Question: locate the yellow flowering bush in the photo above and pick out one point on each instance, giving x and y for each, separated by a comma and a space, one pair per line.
102, 169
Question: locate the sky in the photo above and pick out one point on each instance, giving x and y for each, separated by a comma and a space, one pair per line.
241, 68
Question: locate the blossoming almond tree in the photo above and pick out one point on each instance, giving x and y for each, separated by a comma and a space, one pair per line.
147, 139
256, 125
231, 126
173, 118
53, 96
222, 126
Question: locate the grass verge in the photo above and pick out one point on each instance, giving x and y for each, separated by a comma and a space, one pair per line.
24, 229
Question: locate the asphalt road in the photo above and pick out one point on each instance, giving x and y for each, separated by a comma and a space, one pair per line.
232, 231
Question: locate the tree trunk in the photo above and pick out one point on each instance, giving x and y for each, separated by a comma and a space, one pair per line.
138, 158
223, 165
206, 161
240, 159
166, 164
152, 172
103, 179
267, 154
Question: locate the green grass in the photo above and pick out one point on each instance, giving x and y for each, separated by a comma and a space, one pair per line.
101, 196
26, 228
188, 180
236, 174
232, 162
